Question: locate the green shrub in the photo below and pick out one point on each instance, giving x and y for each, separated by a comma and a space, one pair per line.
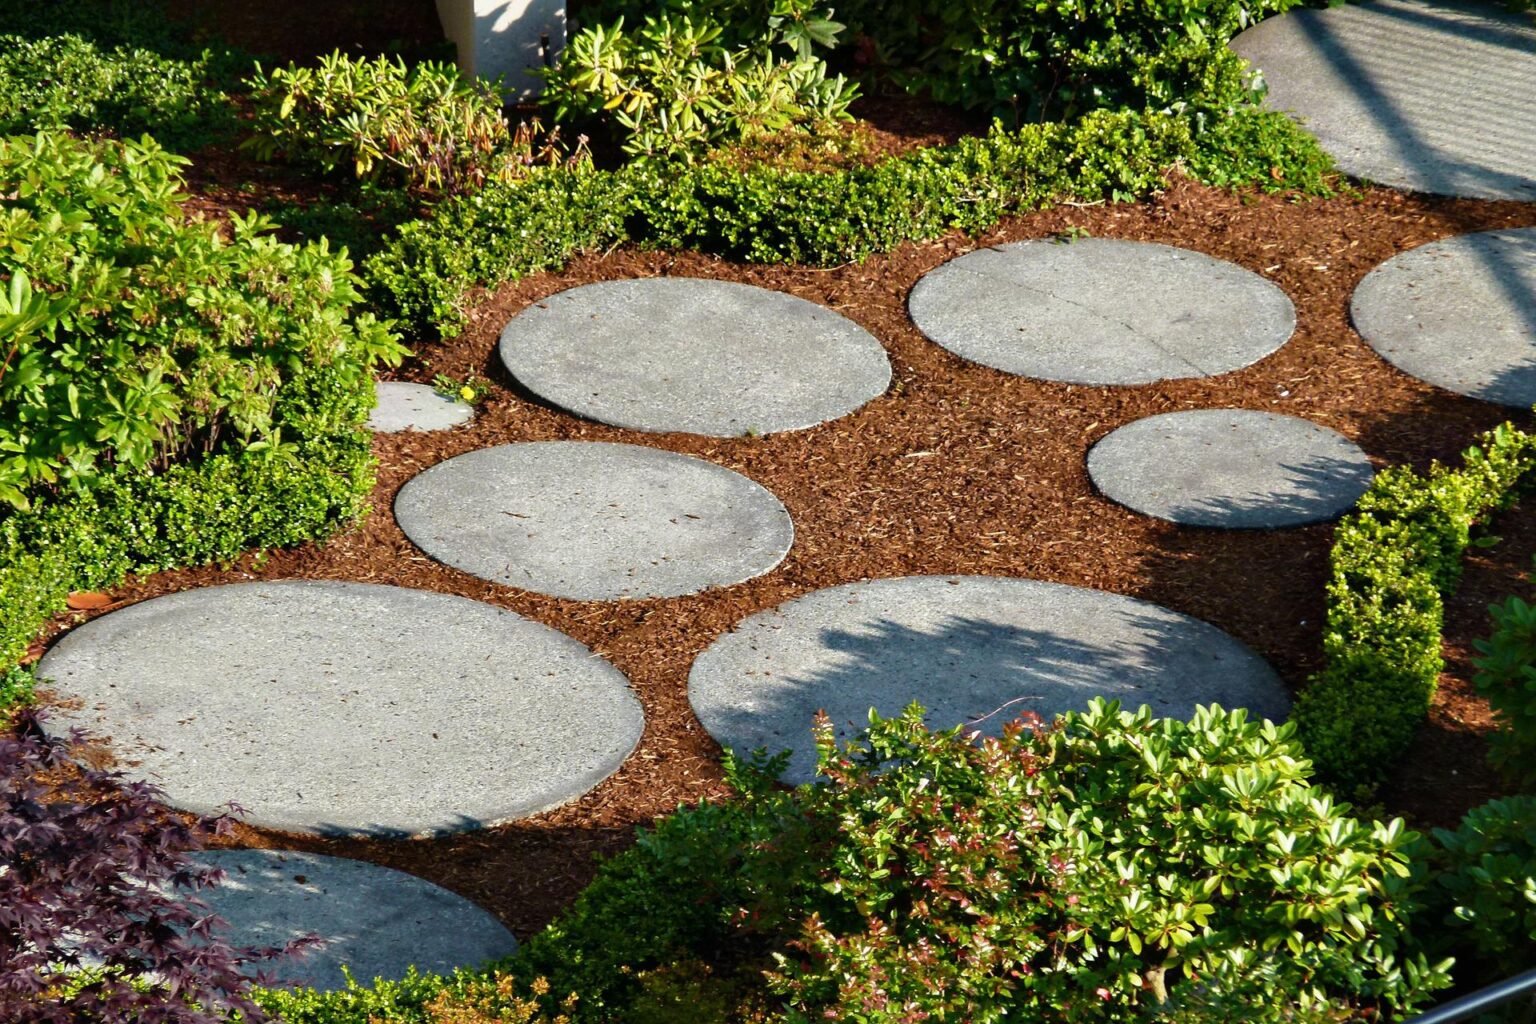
135, 338
1114, 867
423, 126
1392, 561
1485, 887
697, 75
768, 215
1062, 58
69, 82
1506, 676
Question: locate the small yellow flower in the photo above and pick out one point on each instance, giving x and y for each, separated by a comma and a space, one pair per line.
467, 393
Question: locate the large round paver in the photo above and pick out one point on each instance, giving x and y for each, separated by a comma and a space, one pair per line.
1436, 97
970, 649
347, 707
1233, 468
702, 357
376, 921
1101, 311
1459, 313
595, 521
402, 406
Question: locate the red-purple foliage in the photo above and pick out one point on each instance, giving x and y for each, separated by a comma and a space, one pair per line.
94, 874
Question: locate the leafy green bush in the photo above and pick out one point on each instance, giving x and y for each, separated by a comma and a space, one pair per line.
696, 75
1485, 886
1062, 58
1506, 676
768, 215
167, 398
70, 82
135, 338
1392, 561
1114, 867
424, 125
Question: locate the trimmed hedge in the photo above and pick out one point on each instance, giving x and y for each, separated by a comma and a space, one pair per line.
766, 215
1392, 562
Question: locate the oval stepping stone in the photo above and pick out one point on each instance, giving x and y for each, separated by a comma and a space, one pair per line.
703, 357
971, 649
1435, 97
1459, 313
594, 521
376, 921
346, 707
402, 406
1231, 468
1101, 311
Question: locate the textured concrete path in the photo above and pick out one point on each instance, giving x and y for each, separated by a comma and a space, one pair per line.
375, 921
1435, 97
593, 521
972, 649
701, 357
1101, 311
1459, 313
1231, 468
403, 406
346, 708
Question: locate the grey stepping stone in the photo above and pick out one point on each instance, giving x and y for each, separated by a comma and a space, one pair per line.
702, 357
1459, 313
593, 521
972, 649
346, 708
1232, 468
375, 921
1101, 311
1436, 97
403, 406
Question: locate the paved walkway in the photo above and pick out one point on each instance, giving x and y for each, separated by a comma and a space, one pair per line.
1434, 97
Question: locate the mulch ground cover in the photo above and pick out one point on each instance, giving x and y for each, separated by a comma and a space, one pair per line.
957, 469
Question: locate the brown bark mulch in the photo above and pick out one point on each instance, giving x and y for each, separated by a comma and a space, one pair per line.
956, 469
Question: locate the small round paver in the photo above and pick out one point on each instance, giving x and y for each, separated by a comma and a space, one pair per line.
346, 708
702, 357
1232, 468
403, 406
1101, 311
1459, 313
376, 921
1432, 96
971, 649
594, 521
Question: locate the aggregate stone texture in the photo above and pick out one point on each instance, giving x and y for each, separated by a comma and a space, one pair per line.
1101, 311
594, 521
1232, 468
972, 649
1459, 313
1434, 97
691, 355
403, 406
346, 708
376, 921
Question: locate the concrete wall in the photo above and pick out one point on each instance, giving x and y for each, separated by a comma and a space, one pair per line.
505, 38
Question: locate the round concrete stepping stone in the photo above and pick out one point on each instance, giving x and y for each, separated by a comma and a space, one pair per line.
1459, 313
1101, 311
593, 521
1232, 468
376, 921
346, 708
702, 357
1435, 97
402, 406
972, 649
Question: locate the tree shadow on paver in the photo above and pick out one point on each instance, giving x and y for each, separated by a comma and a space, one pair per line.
1315, 489
979, 672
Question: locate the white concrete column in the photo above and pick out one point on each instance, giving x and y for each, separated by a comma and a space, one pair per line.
509, 38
